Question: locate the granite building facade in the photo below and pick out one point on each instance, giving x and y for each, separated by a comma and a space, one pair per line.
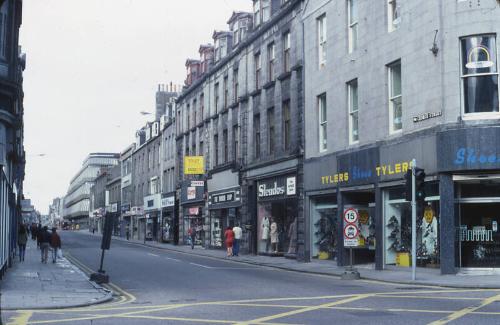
244, 116
389, 82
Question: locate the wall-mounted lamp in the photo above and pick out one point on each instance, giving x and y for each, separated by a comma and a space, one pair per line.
434, 49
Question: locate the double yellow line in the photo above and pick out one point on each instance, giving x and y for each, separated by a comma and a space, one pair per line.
125, 297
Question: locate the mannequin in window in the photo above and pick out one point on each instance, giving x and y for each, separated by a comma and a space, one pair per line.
274, 236
265, 228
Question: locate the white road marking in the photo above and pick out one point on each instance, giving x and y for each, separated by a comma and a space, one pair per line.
207, 267
173, 259
151, 254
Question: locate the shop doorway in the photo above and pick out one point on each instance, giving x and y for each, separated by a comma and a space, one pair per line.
363, 201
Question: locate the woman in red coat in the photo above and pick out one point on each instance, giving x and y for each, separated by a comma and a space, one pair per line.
229, 235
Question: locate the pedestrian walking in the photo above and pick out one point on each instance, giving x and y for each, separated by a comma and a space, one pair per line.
238, 232
229, 235
55, 243
44, 239
22, 239
33, 231
128, 232
192, 236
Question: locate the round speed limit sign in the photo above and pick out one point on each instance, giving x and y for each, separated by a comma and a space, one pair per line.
351, 215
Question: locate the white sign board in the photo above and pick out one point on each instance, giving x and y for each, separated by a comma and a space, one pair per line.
351, 230
290, 186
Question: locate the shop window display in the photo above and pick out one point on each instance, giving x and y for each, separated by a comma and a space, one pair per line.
398, 219
478, 219
325, 221
277, 227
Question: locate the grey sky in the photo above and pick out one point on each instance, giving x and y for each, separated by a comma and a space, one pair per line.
92, 66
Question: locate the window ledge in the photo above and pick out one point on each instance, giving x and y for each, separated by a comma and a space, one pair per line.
269, 84
284, 75
233, 105
243, 98
481, 116
255, 92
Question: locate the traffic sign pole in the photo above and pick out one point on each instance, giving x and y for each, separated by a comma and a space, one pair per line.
413, 223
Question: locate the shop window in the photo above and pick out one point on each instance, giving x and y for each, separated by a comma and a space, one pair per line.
397, 228
325, 229
479, 74
477, 220
277, 227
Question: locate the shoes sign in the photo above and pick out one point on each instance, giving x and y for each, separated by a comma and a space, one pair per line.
351, 230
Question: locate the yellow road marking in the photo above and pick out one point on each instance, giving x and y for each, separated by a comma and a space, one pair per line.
125, 297
428, 297
197, 320
463, 312
303, 310
22, 318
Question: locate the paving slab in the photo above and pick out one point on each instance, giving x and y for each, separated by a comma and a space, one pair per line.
34, 285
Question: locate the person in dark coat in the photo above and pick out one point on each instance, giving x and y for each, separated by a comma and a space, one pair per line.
44, 240
22, 239
55, 243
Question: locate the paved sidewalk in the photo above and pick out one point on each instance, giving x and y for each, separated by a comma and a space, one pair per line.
33, 285
425, 276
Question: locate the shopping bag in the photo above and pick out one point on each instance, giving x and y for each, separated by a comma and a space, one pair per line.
59, 253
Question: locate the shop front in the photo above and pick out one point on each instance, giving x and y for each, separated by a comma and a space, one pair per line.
125, 222
277, 216
169, 220
224, 204
371, 182
224, 208
152, 211
137, 222
192, 208
470, 171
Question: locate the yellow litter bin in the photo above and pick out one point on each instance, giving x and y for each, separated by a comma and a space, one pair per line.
403, 259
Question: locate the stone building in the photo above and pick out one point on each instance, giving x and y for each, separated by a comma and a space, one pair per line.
77, 199
12, 154
388, 82
244, 116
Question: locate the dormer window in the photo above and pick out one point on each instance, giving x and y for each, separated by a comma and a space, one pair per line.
261, 11
240, 31
220, 48
256, 12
